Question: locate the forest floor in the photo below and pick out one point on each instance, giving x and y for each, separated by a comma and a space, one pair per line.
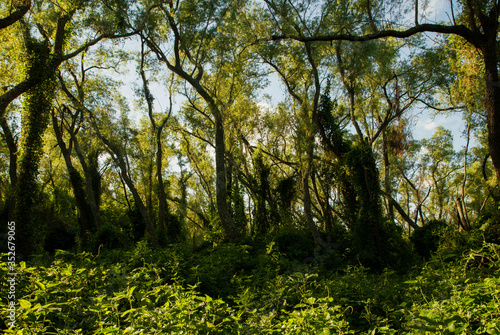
242, 289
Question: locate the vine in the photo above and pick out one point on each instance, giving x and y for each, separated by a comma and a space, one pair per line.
35, 118
375, 243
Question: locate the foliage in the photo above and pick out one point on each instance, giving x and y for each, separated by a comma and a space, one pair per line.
464, 298
35, 119
295, 244
109, 237
426, 239
252, 290
60, 237
489, 223
223, 179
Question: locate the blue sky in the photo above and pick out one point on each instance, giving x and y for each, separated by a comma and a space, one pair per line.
425, 123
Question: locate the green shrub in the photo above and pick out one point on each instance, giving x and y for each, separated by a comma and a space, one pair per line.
489, 223
252, 291
426, 239
459, 298
294, 244
60, 237
214, 268
110, 237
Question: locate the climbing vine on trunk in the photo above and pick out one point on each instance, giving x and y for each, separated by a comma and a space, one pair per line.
35, 118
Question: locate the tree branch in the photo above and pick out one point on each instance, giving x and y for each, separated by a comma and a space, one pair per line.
16, 15
400, 210
460, 30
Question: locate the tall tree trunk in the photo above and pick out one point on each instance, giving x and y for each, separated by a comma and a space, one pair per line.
12, 145
119, 158
35, 120
193, 79
318, 241
324, 204
76, 181
309, 135
157, 131
226, 219
92, 180
387, 175
162, 197
139, 203
148, 186
493, 98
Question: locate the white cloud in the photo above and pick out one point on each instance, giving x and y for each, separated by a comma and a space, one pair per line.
434, 10
264, 106
430, 125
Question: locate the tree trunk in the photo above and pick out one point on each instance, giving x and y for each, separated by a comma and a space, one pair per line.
76, 181
92, 181
226, 219
148, 187
139, 203
162, 197
309, 145
12, 145
462, 219
400, 210
35, 120
493, 100
387, 175
118, 157
318, 241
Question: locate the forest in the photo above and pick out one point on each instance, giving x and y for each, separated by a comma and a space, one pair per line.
249, 167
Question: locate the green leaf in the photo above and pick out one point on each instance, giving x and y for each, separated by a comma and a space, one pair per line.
40, 285
128, 312
25, 304
310, 300
451, 326
131, 290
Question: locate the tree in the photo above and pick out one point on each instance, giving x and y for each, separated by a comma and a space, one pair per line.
440, 166
299, 72
164, 221
477, 23
204, 48
44, 52
77, 183
115, 138
16, 12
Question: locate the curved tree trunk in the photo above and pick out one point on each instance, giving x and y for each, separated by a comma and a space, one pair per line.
12, 145
118, 157
76, 181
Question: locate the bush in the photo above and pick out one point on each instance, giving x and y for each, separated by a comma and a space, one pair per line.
426, 239
110, 237
213, 269
294, 244
60, 238
489, 223
145, 291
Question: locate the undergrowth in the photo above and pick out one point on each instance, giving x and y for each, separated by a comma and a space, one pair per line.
241, 289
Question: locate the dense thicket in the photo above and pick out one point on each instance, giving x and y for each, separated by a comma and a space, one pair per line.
203, 156
274, 124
